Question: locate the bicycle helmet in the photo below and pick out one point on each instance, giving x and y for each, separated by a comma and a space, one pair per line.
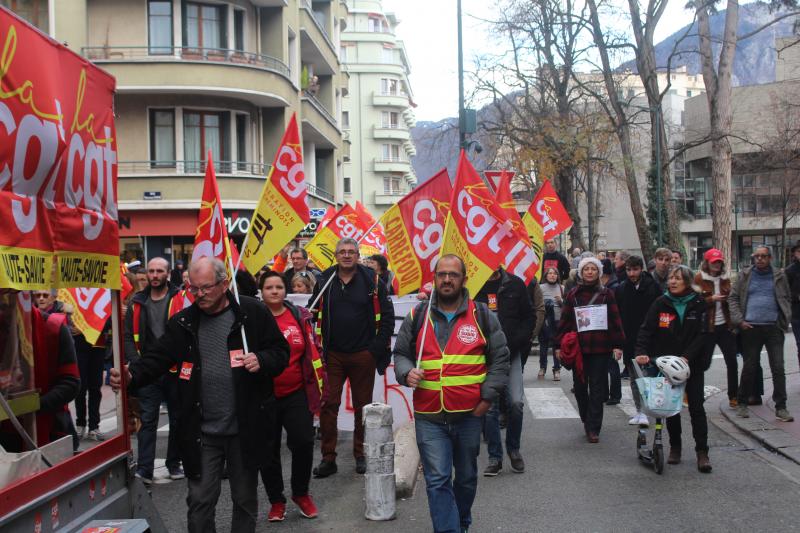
674, 368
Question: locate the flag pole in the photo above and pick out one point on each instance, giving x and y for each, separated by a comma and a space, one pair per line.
330, 279
236, 295
425, 326
244, 247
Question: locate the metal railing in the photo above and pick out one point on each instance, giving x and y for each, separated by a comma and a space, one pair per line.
391, 160
391, 127
191, 167
321, 108
319, 192
184, 53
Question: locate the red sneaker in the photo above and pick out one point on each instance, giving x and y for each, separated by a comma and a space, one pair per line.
277, 512
306, 505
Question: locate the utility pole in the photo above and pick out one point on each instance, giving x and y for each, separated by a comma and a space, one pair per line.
462, 136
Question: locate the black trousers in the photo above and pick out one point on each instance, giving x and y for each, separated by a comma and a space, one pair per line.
697, 413
726, 340
90, 366
593, 391
294, 416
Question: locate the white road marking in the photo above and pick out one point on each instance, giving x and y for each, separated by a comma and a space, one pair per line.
549, 402
110, 424
626, 404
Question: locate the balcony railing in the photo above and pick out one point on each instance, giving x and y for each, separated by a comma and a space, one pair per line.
184, 53
390, 160
321, 108
191, 167
392, 127
319, 192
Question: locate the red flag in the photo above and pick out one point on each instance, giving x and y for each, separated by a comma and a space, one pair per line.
414, 228
548, 210
506, 202
235, 255
479, 231
346, 223
211, 238
326, 219
375, 241
126, 287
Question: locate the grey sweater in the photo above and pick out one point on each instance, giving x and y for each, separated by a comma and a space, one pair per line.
218, 398
497, 354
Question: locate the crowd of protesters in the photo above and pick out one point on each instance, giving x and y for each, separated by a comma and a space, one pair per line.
234, 373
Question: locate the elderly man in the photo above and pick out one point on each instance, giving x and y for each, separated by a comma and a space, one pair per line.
356, 320
463, 370
760, 306
226, 396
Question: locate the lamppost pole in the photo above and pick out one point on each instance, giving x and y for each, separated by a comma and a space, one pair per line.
461, 118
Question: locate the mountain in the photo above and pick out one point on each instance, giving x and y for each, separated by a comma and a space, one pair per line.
437, 142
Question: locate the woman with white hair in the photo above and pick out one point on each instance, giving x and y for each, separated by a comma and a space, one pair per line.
590, 313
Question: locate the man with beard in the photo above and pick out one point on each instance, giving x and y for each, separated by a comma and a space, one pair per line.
144, 325
463, 369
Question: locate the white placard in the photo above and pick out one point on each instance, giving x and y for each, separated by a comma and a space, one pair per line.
591, 318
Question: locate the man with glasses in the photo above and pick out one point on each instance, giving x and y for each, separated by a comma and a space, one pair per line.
355, 321
760, 306
299, 259
463, 369
227, 406
145, 323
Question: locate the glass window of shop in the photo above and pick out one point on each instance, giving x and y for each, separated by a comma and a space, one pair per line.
34, 11
131, 249
159, 27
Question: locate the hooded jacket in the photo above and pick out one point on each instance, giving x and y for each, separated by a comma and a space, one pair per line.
663, 333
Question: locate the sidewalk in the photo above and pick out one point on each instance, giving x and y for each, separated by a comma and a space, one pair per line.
777, 436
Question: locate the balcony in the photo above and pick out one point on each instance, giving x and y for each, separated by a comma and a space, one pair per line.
319, 126
260, 79
389, 100
319, 192
392, 164
388, 198
410, 149
391, 131
133, 169
316, 46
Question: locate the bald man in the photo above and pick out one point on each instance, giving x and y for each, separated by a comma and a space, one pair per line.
144, 325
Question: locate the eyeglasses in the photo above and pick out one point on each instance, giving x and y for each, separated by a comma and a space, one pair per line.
347, 252
445, 275
197, 290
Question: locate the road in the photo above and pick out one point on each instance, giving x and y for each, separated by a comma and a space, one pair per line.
570, 485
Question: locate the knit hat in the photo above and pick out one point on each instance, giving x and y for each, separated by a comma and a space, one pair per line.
589, 260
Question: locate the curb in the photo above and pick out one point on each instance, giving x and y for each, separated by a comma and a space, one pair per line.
406, 460
771, 436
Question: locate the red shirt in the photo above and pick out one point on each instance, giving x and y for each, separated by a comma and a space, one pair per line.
291, 379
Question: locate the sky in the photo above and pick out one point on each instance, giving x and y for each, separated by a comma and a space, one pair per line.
428, 29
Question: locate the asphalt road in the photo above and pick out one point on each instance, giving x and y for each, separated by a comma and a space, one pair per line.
570, 485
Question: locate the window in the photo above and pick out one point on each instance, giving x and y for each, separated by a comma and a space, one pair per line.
388, 55
162, 137
390, 119
390, 87
346, 184
343, 53
159, 27
34, 11
390, 152
378, 25
391, 185
345, 119
238, 29
204, 26
241, 141
688, 93
203, 131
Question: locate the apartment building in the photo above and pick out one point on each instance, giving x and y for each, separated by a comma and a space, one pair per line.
765, 177
377, 112
223, 76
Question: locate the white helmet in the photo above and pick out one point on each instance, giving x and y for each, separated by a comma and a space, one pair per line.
674, 368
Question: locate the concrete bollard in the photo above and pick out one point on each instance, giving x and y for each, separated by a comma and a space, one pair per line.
379, 480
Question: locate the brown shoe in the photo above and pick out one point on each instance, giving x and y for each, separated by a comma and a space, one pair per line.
733, 403
592, 437
703, 463
674, 456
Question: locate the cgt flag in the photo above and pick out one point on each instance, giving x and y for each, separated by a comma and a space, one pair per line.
475, 233
346, 223
211, 238
414, 228
282, 211
91, 308
506, 202
549, 212
375, 241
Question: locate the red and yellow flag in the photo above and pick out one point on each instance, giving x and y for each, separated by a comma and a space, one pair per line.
549, 212
346, 223
211, 237
283, 209
506, 202
479, 232
414, 228
91, 308
375, 241
330, 212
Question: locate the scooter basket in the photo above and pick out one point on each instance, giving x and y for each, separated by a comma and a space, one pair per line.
660, 398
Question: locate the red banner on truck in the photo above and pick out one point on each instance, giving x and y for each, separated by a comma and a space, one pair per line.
58, 165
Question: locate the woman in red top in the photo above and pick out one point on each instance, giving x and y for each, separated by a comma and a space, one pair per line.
298, 391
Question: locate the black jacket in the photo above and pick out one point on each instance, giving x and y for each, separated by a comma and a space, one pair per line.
380, 346
633, 305
562, 263
514, 310
127, 338
793, 277
254, 394
662, 332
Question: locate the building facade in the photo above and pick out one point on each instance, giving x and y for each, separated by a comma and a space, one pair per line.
218, 76
378, 110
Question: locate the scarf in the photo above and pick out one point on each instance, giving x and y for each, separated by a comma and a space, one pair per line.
680, 302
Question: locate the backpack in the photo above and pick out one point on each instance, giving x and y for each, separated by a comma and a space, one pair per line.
419, 315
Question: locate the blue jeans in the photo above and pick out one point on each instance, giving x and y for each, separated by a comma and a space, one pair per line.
150, 398
515, 408
442, 448
545, 345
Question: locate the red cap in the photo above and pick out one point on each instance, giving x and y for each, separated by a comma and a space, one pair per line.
713, 255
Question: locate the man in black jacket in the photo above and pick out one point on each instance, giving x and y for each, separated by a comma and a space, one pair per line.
793, 277
299, 259
552, 258
634, 297
507, 296
356, 320
226, 398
